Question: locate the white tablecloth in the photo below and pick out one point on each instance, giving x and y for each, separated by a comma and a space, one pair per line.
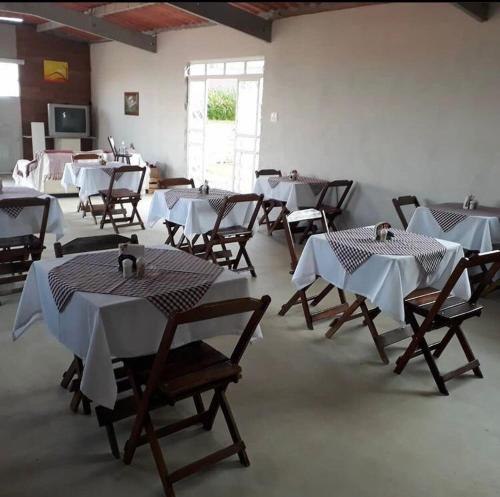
384, 280
196, 215
90, 178
473, 233
97, 327
29, 220
296, 195
135, 158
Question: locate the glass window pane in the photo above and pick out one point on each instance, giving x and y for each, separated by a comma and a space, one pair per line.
196, 114
247, 107
215, 69
255, 67
9, 79
235, 68
197, 70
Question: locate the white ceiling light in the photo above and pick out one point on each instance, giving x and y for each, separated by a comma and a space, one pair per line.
10, 19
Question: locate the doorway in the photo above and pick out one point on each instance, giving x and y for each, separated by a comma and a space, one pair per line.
224, 121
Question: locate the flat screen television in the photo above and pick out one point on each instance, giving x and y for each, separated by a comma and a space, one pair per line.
68, 121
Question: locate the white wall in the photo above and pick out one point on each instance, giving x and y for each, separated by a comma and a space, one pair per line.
10, 108
402, 98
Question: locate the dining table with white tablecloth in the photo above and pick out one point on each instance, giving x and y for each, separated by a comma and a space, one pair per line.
384, 277
27, 221
91, 177
475, 229
107, 321
195, 211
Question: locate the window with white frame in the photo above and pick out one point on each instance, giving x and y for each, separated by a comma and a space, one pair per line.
228, 68
9, 79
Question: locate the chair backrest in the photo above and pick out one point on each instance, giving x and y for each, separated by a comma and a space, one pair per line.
125, 170
296, 217
92, 244
237, 199
342, 186
267, 172
256, 308
171, 182
477, 260
86, 156
16, 251
22, 202
402, 201
111, 142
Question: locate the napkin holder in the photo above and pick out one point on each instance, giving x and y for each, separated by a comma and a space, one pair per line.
133, 249
204, 189
123, 257
382, 232
293, 175
1, 186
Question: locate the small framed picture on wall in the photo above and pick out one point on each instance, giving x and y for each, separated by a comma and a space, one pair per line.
131, 103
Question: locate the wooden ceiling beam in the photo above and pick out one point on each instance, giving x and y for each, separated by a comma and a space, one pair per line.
480, 11
82, 22
227, 15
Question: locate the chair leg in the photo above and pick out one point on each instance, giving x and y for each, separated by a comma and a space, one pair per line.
198, 402
305, 308
247, 260
468, 351
113, 443
377, 339
418, 334
212, 413
433, 366
233, 428
321, 295
444, 342
69, 374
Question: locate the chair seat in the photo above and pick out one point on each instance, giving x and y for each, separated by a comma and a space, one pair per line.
194, 365
120, 193
422, 300
232, 230
20, 241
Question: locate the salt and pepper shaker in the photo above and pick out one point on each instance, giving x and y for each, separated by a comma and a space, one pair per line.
1, 186
141, 268
128, 268
467, 201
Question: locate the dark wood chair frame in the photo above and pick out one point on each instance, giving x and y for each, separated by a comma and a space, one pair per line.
269, 204
331, 212
118, 157
173, 228
441, 310
171, 375
121, 196
301, 297
226, 236
399, 202
17, 253
84, 207
77, 246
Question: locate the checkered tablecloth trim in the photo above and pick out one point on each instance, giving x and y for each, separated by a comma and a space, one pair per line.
12, 211
316, 184
355, 246
215, 198
109, 172
447, 220
174, 281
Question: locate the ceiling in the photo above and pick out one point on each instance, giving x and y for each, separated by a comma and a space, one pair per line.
137, 23
154, 17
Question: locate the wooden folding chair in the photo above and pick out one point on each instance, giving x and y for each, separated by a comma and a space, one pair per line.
17, 253
118, 157
300, 296
84, 207
173, 374
400, 202
77, 246
441, 310
233, 234
269, 204
111, 197
342, 188
173, 228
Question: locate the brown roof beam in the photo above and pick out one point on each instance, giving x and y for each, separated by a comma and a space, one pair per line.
228, 15
478, 10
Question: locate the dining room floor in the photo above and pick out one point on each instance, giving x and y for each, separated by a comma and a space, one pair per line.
319, 417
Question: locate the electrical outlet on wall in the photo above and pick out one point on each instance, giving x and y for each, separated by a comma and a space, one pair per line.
274, 117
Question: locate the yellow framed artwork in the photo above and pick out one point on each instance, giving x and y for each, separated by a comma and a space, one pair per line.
55, 71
